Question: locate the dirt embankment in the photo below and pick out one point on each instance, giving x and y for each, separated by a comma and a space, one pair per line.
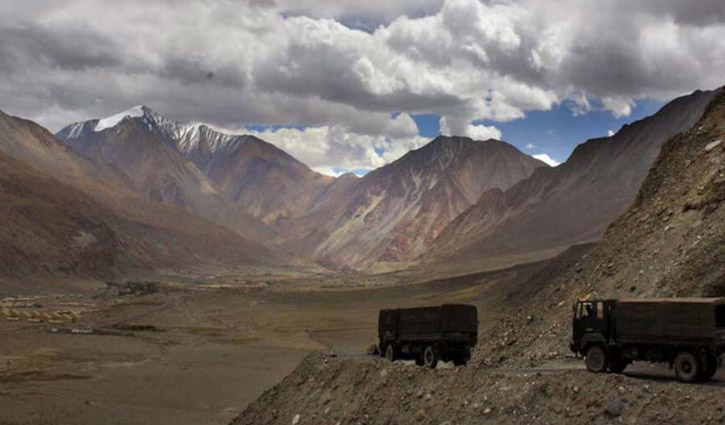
372, 391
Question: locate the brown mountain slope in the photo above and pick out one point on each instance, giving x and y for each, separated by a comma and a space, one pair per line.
157, 170
64, 215
249, 174
49, 229
248, 171
574, 202
392, 214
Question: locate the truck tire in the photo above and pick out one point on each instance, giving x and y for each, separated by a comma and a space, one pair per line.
390, 353
430, 358
687, 367
596, 359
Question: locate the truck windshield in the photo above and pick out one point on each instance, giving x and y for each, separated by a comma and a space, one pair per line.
720, 316
586, 310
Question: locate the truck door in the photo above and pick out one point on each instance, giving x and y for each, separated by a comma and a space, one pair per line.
590, 318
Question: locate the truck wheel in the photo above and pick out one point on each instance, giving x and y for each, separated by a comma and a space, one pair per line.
430, 359
687, 367
390, 352
596, 359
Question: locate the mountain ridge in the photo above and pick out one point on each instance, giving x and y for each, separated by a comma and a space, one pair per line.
393, 212
252, 175
574, 202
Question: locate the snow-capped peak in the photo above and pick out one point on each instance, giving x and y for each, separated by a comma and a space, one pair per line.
108, 122
186, 136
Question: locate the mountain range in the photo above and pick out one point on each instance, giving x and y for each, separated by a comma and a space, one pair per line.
155, 194
390, 215
65, 215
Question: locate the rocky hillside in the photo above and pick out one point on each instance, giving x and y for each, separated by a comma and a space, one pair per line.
668, 243
571, 203
373, 391
394, 213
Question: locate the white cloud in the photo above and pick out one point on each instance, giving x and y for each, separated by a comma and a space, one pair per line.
610, 133
330, 171
334, 150
482, 132
530, 146
474, 131
545, 158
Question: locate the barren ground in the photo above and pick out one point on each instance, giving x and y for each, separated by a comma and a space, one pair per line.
203, 352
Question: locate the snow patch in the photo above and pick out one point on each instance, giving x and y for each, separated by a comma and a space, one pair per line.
108, 122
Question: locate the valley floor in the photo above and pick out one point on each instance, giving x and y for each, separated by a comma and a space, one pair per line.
200, 353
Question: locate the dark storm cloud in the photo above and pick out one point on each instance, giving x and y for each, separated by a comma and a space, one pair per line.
30, 44
695, 12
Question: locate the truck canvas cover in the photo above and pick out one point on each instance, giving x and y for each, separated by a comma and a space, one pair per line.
423, 323
676, 319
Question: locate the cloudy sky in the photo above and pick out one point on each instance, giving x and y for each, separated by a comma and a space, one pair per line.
352, 85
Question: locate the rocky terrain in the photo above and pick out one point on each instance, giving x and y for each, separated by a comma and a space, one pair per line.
326, 390
668, 243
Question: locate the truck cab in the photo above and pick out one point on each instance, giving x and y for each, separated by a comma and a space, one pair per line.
592, 329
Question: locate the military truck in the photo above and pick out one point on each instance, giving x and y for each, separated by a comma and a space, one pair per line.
687, 333
429, 334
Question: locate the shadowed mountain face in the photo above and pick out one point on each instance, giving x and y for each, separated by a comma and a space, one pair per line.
135, 145
573, 202
63, 214
394, 213
248, 171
